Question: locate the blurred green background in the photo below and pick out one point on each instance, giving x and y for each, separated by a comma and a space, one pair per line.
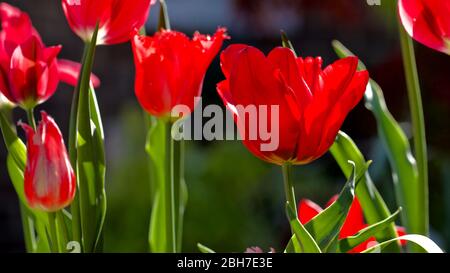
235, 200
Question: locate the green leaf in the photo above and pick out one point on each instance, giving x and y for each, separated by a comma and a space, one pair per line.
36, 219
301, 241
405, 173
424, 242
90, 158
16, 148
363, 235
285, 42
373, 205
344, 52
325, 227
204, 249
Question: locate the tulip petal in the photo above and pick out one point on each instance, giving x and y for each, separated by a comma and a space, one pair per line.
284, 59
117, 19
426, 21
307, 210
255, 82
69, 72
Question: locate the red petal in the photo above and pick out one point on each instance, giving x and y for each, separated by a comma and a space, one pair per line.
354, 221
307, 210
426, 21
69, 73
117, 19
229, 56
401, 231
255, 82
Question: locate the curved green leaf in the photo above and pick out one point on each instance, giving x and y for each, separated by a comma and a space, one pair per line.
204, 249
373, 205
405, 173
424, 242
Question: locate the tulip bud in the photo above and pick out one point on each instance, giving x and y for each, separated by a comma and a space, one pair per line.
49, 178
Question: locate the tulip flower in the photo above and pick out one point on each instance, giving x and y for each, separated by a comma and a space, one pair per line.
29, 71
170, 68
116, 19
427, 21
354, 222
312, 102
49, 178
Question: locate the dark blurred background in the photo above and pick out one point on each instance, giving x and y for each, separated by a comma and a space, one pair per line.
235, 200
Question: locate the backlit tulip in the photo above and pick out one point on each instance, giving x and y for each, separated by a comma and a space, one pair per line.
170, 68
116, 19
49, 178
427, 21
312, 102
354, 221
29, 71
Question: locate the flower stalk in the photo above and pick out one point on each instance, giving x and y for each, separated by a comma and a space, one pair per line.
419, 226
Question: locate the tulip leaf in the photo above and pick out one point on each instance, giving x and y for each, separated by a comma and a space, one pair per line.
405, 174
325, 226
363, 235
204, 249
16, 148
90, 157
301, 241
373, 205
424, 242
344, 52
404, 168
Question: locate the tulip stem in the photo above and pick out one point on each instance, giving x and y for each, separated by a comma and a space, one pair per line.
178, 154
52, 229
169, 191
30, 116
420, 225
288, 185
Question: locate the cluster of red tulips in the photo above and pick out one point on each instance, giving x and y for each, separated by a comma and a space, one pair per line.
62, 188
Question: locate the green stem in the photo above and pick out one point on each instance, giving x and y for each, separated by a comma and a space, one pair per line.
418, 124
178, 154
54, 245
169, 191
28, 230
62, 231
164, 22
288, 185
30, 116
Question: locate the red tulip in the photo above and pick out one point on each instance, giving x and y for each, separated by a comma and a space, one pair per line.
354, 222
170, 68
116, 19
29, 71
427, 21
312, 102
49, 178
